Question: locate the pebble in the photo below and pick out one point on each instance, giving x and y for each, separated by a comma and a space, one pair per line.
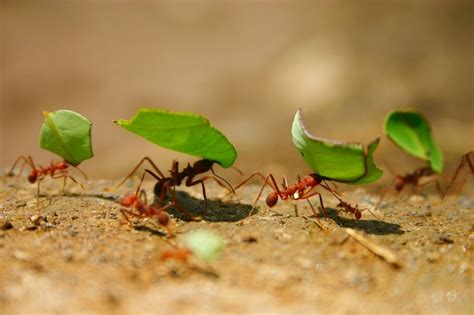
433, 257
36, 219
443, 239
6, 225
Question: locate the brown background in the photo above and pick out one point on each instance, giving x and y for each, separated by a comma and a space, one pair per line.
246, 65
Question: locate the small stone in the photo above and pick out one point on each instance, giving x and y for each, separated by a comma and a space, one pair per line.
416, 198
36, 219
249, 239
432, 257
443, 239
6, 225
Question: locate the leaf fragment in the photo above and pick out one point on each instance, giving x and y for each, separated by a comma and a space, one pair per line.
67, 134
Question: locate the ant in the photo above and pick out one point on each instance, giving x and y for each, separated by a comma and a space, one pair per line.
181, 254
166, 183
465, 160
138, 202
414, 178
55, 169
348, 208
302, 189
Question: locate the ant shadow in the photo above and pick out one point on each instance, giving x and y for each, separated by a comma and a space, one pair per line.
369, 226
217, 210
152, 231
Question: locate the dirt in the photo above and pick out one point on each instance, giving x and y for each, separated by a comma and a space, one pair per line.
73, 254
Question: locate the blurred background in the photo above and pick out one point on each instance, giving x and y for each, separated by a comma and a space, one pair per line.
246, 65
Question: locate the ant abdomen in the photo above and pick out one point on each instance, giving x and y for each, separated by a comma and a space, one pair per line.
163, 218
32, 177
357, 214
399, 183
272, 199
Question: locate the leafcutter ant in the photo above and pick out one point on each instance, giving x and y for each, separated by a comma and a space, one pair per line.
414, 179
137, 201
166, 185
55, 170
466, 159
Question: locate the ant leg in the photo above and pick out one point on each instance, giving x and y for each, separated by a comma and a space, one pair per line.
222, 179
309, 195
38, 191
184, 211
257, 173
80, 171
27, 160
325, 185
147, 171
465, 159
136, 168
65, 176
438, 187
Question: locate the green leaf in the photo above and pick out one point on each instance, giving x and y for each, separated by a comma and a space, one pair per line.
412, 132
350, 163
205, 245
187, 133
68, 134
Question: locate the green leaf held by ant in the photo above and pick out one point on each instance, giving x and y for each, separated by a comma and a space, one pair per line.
412, 132
182, 132
67, 134
350, 163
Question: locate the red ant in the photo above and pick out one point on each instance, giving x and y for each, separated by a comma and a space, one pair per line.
465, 160
55, 170
302, 189
180, 254
348, 208
176, 178
139, 203
414, 178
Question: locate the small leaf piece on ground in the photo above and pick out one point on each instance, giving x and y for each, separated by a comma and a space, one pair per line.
67, 134
350, 163
205, 245
183, 132
411, 132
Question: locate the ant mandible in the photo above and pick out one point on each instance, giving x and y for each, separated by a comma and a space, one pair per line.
55, 170
301, 190
166, 183
138, 202
465, 160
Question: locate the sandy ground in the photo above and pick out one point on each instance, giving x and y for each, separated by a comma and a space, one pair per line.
79, 258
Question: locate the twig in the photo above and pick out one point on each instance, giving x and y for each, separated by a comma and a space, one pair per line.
378, 250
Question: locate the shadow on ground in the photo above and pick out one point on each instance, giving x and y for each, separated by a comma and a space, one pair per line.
368, 226
217, 211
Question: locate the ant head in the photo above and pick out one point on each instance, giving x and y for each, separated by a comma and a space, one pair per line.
399, 183
158, 189
163, 218
312, 179
32, 176
62, 165
202, 166
340, 204
272, 199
